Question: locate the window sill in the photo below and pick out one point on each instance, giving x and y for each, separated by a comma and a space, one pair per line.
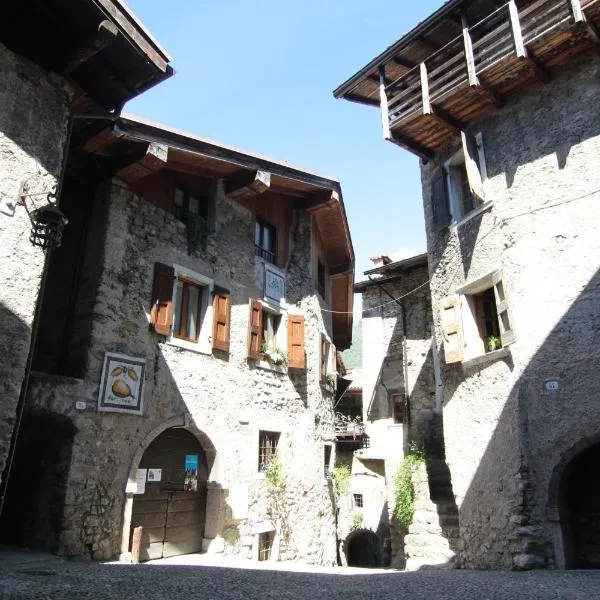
267, 366
486, 358
474, 213
184, 345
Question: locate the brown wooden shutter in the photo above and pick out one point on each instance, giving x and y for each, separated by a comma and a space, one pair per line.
502, 308
295, 351
221, 319
471, 154
440, 200
452, 329
161, 314
254, 329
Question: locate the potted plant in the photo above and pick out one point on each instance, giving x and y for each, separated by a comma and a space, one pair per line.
493, 343
273, 355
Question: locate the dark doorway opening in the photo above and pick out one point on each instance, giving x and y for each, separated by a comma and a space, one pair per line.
582, 510
364, 549
36, 489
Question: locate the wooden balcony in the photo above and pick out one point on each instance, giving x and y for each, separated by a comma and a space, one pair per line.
439, 91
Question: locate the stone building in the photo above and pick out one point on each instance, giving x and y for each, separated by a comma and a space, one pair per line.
398, 403
501, 105
181, 376
57, 62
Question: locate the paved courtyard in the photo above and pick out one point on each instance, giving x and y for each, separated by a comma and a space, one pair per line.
24, 577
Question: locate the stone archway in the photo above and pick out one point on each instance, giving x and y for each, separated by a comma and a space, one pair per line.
363, 548
574, 507
211, 477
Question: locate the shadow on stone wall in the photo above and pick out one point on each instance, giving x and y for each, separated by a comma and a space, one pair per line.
513, 514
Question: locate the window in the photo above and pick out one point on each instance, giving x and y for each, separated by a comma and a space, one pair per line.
265, 241
265, 545
187, 309
358, 500
400, 408
477, 320
182, 309
457, 188
327, 461
267, 336
267, 448
321, 278
186, 203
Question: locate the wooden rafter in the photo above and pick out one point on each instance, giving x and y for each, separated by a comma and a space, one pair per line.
410, 145
106, 34
247, 184
404, 62
153, 159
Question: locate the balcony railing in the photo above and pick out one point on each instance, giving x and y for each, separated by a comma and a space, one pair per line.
491, 58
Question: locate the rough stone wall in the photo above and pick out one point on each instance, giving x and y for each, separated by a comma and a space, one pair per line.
388, 369
504, 434
33, 127
227, 398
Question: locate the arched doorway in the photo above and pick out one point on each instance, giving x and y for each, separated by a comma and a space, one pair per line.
364, 549
172, 509
580, 510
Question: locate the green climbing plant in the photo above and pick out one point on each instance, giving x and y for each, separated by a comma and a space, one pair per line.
357, 520
341, 480
404, 494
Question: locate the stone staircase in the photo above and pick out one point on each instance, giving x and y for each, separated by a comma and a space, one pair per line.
432, 539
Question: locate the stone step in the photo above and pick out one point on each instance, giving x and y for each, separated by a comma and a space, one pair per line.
416, 563
433, 518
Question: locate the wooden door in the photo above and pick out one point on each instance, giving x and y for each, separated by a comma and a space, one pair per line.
172, 510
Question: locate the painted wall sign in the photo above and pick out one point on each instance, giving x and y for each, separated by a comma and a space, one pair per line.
190, 483
274, 284
552, 385
154, 475
122, 384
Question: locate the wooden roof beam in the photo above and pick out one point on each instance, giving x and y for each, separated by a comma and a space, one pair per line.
247, 184
154, 158
404, 62
409, 144
106, 34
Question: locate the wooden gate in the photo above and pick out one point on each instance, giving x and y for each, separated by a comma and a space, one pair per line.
172, 510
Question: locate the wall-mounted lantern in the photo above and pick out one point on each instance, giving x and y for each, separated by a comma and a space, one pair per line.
47, 226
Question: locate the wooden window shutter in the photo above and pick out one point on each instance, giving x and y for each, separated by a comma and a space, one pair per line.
333, 361
221, 319
440, 200
502, 308
295, 350
452, 329
254, 329
161, 314
471, 154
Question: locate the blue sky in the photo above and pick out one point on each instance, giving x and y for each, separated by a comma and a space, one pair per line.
260, 75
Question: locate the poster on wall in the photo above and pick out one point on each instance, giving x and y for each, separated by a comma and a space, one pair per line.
122, 384
154, 475
190, 483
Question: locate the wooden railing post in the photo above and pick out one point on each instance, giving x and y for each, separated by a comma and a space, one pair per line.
516, 30
577, 11
425, 90
470, 58
383, 103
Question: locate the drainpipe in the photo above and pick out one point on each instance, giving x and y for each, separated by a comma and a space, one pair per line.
20, 408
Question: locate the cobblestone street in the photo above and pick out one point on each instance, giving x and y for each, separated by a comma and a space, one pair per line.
49, 578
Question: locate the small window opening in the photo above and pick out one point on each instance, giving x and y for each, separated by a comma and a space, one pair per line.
267, 448
358, 500
400, 408
187, 203
265, 545
487, 319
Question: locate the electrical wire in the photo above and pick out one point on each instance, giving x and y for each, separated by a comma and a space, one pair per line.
337, 312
